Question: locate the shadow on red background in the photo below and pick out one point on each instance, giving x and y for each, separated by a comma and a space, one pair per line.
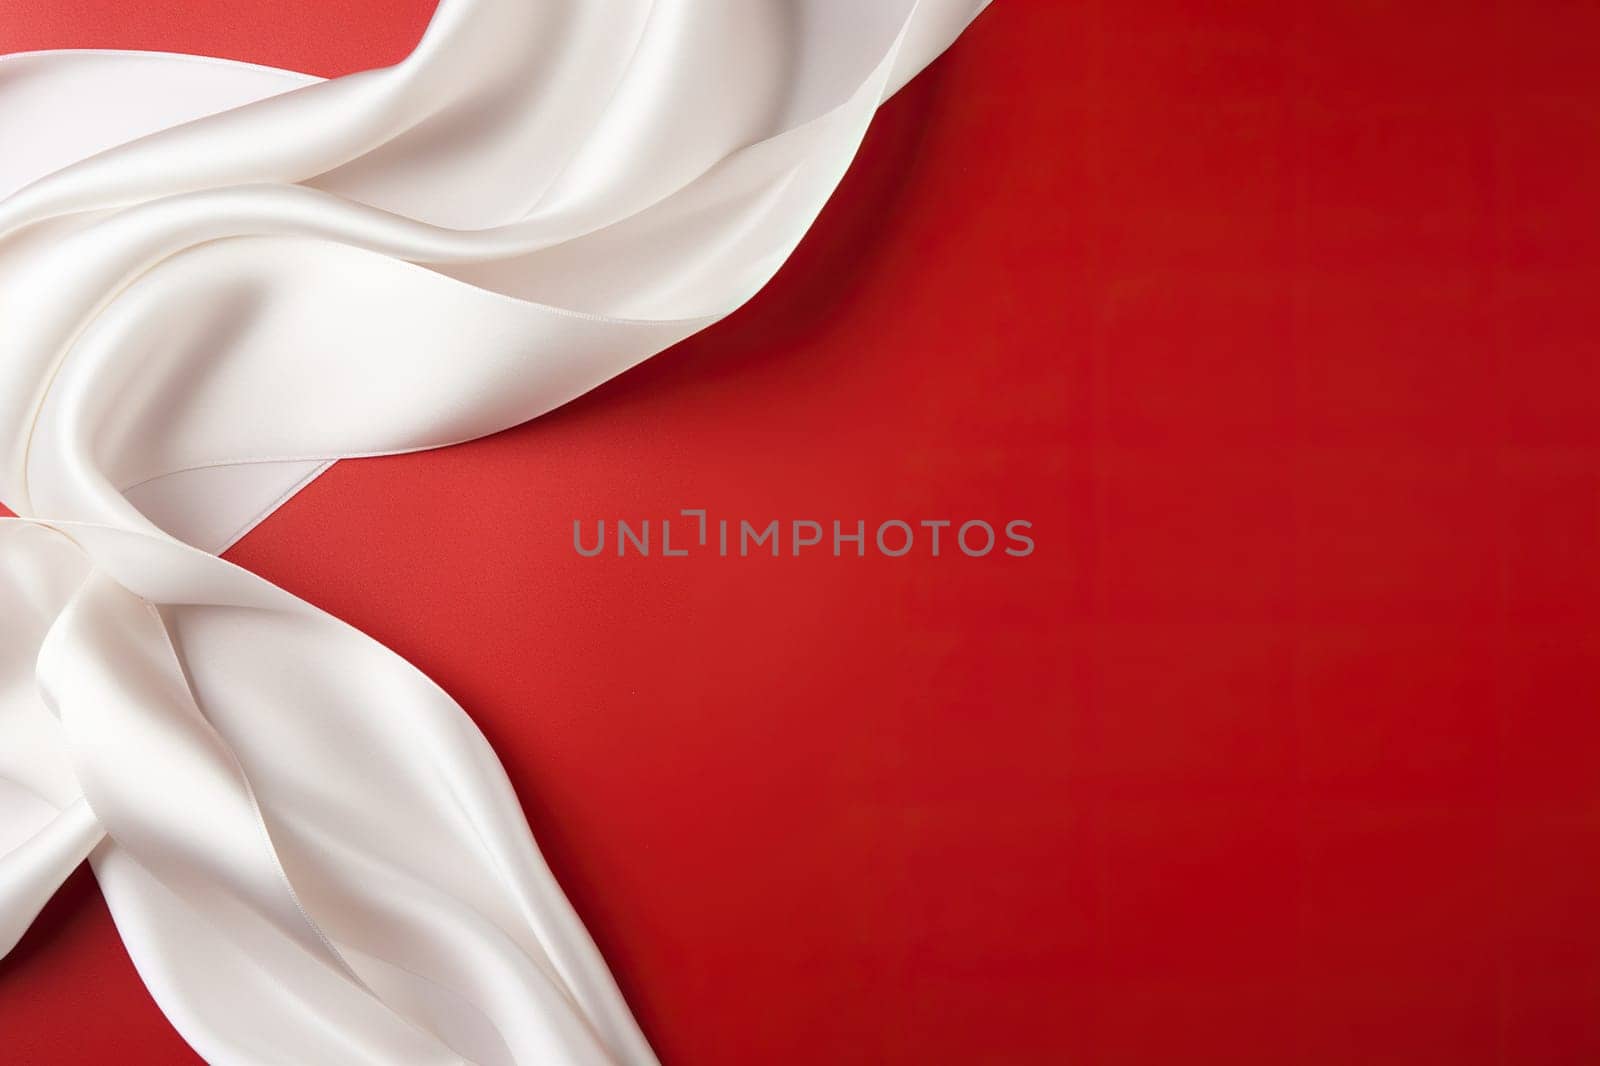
1277, 322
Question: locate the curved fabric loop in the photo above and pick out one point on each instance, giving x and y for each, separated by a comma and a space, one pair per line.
225, 279
260, 847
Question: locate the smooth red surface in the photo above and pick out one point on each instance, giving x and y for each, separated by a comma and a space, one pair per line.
1278, 321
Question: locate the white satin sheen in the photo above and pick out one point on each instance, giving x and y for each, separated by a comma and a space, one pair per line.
215, 280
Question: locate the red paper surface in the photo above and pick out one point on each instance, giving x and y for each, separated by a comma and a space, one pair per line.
1278, 323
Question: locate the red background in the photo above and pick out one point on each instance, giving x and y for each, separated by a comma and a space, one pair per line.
1277, 320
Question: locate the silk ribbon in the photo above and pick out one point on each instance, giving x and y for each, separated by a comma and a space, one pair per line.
217, 279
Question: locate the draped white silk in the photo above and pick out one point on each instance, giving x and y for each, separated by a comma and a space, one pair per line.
215, 280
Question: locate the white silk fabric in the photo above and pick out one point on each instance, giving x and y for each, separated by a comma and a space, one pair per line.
215, 280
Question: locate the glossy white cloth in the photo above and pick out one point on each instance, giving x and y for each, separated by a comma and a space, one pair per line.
217, 279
